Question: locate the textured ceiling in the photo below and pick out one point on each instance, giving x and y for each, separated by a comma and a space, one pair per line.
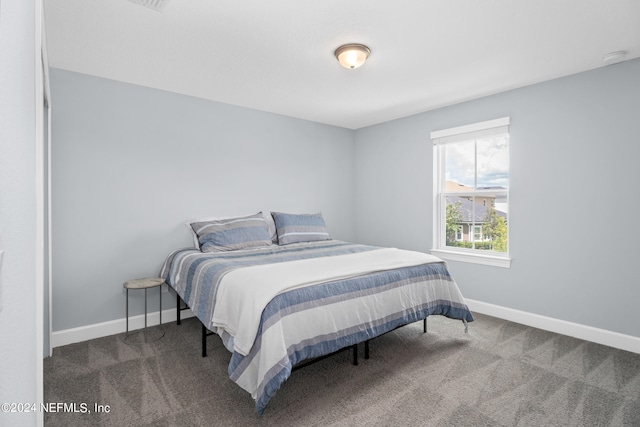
277, 56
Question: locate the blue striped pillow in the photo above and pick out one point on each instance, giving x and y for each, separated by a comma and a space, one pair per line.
295, 228
232, 233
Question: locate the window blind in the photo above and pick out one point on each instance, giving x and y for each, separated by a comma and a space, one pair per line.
490, 128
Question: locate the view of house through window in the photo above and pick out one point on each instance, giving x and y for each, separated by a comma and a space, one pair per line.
472, 175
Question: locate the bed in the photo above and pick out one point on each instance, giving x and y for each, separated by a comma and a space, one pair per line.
277, 305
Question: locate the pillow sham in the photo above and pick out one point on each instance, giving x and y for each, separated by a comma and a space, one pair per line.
232, 233
296, 228
267, 217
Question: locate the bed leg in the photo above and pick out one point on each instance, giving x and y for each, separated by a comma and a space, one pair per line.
366, 349
424, 328
204, 341
178, 309
355, 354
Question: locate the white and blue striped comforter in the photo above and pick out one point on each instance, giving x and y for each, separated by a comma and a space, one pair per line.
314, 317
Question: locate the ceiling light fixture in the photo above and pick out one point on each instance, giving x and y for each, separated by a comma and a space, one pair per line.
157, 5
352, 55
614, 57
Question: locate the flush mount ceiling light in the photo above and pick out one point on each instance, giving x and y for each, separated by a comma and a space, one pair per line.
614, 57
352, 55
157, 5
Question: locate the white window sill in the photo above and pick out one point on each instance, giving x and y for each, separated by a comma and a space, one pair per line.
491, 260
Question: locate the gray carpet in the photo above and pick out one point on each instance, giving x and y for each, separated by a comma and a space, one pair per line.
500, 374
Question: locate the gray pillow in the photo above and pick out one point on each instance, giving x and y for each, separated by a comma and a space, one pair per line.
295, 228
232, 233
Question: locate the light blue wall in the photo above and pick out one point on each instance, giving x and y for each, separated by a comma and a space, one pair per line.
575, 172
131, 164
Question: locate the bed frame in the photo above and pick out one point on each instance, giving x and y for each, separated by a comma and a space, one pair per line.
181, 305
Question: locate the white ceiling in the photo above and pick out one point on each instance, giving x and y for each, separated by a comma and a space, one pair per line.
277, 56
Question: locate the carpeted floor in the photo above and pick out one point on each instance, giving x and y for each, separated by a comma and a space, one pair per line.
499, 374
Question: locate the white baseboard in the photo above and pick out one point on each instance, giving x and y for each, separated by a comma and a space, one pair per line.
576, 330
89, 332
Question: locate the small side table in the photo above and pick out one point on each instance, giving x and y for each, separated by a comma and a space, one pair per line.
145, 284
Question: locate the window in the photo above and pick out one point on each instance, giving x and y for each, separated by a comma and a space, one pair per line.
477, 233
471, 189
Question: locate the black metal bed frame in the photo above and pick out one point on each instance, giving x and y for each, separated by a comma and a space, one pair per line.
354, 347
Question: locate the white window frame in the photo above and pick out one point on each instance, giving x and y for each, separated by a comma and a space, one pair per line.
459, 134
477, 227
